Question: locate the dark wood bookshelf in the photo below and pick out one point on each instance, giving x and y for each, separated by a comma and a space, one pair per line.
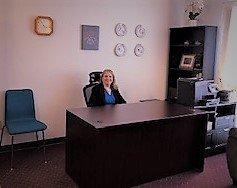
200, 41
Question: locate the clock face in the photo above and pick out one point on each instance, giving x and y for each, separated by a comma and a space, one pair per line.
120, 29
120, 50
43, 25
139, 50
140, 31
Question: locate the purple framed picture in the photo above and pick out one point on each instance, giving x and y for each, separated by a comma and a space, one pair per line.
90, 37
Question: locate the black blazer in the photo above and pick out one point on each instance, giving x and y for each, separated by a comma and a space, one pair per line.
97, 97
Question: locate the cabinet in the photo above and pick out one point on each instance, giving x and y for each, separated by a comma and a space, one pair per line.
199, 41
221, 120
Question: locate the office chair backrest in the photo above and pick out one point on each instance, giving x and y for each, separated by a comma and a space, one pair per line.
95, 76
19, 104
87, 92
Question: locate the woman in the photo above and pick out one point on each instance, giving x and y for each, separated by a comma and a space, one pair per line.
106, 92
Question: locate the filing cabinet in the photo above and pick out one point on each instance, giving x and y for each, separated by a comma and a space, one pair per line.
222, 119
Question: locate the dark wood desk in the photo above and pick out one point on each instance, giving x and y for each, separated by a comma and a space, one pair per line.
130, 144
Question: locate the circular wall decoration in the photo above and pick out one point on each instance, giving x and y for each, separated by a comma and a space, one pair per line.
140, 31
120, 50
139, 50
120, 29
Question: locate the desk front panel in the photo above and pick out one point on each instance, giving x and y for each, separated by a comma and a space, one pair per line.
132, 154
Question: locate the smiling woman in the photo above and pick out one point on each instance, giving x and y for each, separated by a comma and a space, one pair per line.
107, 91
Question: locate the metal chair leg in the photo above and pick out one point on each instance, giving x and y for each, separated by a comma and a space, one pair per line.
45, 161
37, 139
12, 154
2, 135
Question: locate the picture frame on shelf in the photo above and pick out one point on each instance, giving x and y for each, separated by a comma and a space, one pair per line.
187, 62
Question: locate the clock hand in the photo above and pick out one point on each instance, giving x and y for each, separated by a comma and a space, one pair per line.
43, 24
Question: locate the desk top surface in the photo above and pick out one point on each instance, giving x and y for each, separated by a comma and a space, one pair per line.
112, 115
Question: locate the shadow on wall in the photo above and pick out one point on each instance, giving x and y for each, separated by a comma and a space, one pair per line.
2, 103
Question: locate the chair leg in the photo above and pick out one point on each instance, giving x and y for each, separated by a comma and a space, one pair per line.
12, 154
2, 135
45, 161
37, 139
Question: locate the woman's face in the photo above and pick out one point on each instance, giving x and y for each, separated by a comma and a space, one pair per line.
107, 79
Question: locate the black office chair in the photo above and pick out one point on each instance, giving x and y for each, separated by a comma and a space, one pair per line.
87, 92
231, 154
94, 80
95, 77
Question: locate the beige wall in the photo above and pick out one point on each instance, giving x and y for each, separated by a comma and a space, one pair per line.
57, 69
218, 13
229, 72
177, 15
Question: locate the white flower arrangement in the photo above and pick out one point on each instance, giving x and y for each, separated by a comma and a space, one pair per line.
194, 8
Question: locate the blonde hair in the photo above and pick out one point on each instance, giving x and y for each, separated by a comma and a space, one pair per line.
113, 84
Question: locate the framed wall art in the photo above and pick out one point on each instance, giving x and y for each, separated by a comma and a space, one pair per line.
90, 37
187, 62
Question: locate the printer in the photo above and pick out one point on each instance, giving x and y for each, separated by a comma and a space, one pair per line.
197, 92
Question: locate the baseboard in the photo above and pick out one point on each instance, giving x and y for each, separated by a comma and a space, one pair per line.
33, 144
216, 151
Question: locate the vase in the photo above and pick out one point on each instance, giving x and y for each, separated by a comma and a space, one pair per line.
193, 22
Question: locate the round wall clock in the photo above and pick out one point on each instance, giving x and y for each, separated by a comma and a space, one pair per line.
120, 29
43, 25
140, 31
120, 50
139, 50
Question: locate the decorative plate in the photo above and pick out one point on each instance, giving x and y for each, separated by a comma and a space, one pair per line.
120, 29
120, 50
140, 31
139, 50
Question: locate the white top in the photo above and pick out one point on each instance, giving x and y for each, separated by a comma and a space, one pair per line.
108, 89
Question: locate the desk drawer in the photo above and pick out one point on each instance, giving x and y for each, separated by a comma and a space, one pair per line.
225, 121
